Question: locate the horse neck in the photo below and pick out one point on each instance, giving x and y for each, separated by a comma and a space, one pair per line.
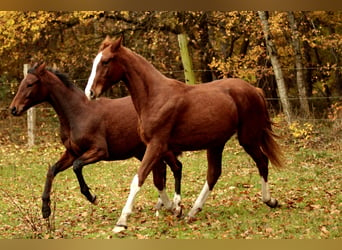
141, 78
66, 101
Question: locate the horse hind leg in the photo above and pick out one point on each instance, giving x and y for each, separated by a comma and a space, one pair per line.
261, 161
214, 156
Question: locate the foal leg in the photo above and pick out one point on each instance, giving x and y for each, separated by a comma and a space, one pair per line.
88, 157
151, 159
62, 164
176, 168
214, 156
159, 180
261, 161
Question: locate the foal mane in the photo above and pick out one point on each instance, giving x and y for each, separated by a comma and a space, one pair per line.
61, 76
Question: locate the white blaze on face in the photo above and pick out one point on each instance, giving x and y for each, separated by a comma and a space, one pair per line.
92, 75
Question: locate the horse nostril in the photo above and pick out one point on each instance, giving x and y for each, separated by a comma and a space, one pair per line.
92, 95
13, 110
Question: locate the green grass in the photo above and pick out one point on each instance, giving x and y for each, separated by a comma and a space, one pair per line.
309, 190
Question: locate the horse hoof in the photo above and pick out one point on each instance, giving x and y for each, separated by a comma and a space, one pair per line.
46, 211
272, 203
119, 228
95, 200
178, 212
190, 219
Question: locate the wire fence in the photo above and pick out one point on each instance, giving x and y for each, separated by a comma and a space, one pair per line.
14, 129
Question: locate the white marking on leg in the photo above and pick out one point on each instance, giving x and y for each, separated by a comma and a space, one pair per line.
92, 75
127, 210
176, 200
165, 199
200, 200
266, 195
176, 204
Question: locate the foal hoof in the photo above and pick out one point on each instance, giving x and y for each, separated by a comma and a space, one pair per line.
46, 211
95, 200
119, 228
272, 203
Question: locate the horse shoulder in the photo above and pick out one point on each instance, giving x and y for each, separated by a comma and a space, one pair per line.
159, 120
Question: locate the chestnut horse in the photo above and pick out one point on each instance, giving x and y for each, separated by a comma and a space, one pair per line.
176, 116
90, 131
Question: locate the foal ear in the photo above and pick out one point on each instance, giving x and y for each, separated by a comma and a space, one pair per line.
116, 44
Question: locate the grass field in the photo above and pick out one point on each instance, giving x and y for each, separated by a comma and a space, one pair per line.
309, 190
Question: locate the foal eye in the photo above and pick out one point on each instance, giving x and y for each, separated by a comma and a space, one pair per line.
105, 62
29, 85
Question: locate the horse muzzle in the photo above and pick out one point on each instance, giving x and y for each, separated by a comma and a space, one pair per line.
14, 111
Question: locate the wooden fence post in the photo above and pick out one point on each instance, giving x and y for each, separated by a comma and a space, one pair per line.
31, 118
186, 59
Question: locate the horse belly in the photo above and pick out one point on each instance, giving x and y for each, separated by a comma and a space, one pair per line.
205, 124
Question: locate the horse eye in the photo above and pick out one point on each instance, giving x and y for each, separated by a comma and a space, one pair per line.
105, 62
29, 85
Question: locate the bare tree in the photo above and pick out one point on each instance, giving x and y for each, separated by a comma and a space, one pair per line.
272, 52
304, 104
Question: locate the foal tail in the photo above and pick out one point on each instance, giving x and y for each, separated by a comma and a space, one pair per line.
269, 145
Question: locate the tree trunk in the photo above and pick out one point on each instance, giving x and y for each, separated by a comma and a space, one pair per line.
304, 104
205, 54
276, 66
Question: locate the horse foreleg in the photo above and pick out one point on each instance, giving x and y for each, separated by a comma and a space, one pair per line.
63, 163
214, 157
78, 166
151, 160
121, 224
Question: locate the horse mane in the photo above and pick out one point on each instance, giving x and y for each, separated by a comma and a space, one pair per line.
61, 76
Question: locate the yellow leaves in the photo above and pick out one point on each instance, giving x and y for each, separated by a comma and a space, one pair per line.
301, 131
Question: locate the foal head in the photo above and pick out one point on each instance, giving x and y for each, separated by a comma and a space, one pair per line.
106, 68
30, 92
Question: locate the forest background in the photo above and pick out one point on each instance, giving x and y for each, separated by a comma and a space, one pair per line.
307, 45
294, 56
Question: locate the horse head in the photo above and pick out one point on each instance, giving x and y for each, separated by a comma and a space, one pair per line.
106, 68
30, 91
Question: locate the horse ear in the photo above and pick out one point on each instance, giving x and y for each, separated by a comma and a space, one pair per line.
40, 69
106, 42
116, 44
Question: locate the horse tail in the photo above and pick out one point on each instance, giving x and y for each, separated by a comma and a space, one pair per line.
269, 145
271, 148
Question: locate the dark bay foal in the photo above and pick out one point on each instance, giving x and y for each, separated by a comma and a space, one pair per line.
105, 129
